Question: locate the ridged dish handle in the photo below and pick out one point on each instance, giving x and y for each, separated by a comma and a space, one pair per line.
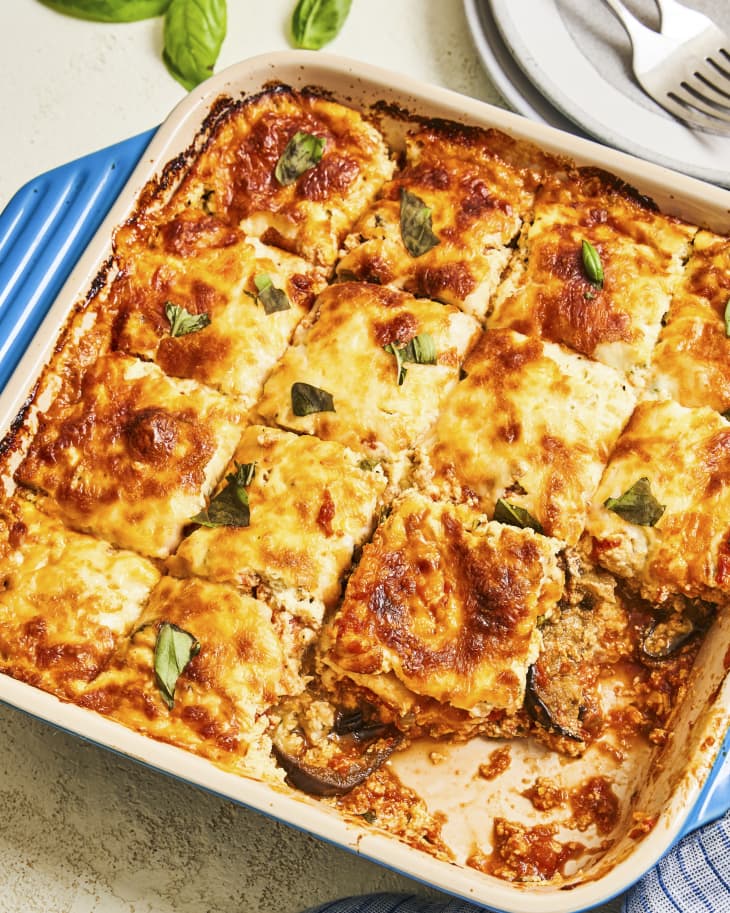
45, 228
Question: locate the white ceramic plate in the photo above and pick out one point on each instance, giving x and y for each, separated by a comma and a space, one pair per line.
583, 71
505, 73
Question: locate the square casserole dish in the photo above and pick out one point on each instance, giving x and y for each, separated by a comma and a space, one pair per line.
661, 792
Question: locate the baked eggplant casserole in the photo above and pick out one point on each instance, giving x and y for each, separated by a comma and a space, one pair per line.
370, 435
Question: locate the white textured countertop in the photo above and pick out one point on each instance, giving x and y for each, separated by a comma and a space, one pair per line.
82, 830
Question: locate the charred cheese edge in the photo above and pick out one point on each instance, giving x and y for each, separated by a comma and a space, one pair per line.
445, 605
198, 263
692, 358
133, 454
531, 423
479, 186
685, 455
549, 293
234, 177
221, 694
66, 599
311, 504
343, 353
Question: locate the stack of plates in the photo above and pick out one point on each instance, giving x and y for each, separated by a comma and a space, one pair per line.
568, 63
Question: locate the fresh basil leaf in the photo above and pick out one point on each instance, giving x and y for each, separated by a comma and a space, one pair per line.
420, 350
273, 299
393, 349
109, 10
727, 318
415, 224
174, 648
303, 151
182, 321
194, 33
592, 263
230, 506
514, 515
368, 465
316, 22
637, 504
306, 399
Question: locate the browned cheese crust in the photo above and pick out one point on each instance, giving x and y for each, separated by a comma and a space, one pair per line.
234, 177
479, 186
131, 454
692, 359
444, 606
532, 424
66, 599
550, 293
197, 263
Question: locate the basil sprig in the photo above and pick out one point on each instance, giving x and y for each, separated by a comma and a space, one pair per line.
316, 22
306, 399
273, 299
514, 515
193, 35
415, 224
109, 10
303, 151
174, 648
637, 504
592, 263
230, 506
420, 350
182, 321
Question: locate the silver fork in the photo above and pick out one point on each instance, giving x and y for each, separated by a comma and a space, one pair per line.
685, 67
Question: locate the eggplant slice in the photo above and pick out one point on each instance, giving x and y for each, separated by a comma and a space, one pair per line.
668, 633
334, 761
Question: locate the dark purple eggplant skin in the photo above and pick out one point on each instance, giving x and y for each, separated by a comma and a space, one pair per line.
540, 712
324, 781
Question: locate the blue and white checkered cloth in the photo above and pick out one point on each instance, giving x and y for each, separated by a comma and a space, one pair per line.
694, 877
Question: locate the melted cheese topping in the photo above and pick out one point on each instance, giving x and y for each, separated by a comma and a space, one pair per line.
201, 264
447, 604
310, 506
343, 353
65, 599
685, 454
548, 292
478, 184
131, 455
234, 176
219, 697
531, 423
692, 359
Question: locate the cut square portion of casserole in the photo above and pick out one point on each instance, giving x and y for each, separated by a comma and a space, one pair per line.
441, 614
441, 228
66, 599
692, 357
200, 670
130, 454
371, 370
198, 299
528, 429
309, 505
291, 168
661, 515
607, 302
